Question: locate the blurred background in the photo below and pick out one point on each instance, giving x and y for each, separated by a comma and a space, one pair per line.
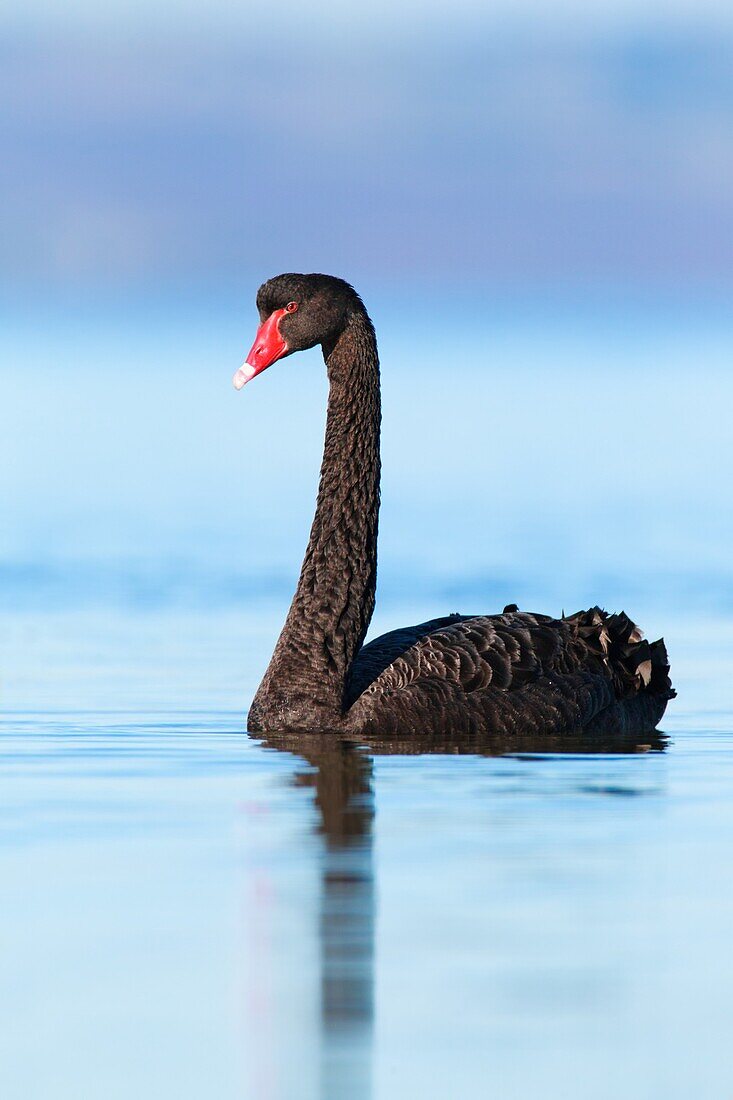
534, 202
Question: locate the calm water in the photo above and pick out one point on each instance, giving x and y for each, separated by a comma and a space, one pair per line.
188, 912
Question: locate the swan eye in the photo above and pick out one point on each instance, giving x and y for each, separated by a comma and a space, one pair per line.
291, 307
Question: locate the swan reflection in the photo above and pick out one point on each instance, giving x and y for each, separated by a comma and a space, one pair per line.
340, 773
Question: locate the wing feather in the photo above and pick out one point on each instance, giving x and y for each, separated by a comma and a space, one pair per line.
498, 671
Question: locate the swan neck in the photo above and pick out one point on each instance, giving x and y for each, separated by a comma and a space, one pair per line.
333, 604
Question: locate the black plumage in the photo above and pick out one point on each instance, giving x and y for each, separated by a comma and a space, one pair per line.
473, 674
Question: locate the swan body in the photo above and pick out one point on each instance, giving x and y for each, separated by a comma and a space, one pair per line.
511, 672
475, 674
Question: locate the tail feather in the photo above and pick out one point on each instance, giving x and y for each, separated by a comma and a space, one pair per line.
660, 681
619, 643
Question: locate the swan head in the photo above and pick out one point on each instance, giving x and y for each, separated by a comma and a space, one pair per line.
296, 312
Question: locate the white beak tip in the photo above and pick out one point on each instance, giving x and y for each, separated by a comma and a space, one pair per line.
243, 375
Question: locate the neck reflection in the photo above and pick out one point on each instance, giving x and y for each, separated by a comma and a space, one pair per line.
340, 774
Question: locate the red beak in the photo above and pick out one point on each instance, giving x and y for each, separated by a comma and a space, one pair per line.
267, 348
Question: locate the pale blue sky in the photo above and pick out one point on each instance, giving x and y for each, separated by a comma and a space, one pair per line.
371, 15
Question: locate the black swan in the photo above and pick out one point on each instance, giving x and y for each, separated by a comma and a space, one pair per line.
474, 674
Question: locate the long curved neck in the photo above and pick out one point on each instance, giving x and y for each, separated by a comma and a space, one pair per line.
333, 604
